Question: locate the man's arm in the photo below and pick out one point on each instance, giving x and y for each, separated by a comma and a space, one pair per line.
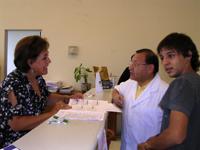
173, 135
117, 99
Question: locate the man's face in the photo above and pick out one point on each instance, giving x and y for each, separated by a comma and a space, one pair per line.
138, 67
174, 63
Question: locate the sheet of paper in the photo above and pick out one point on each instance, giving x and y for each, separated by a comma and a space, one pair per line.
93, 105
83, 115
113, 108
102, 143
10, 147
71, 114
83, 109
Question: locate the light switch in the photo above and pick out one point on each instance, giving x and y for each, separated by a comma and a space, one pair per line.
73, 50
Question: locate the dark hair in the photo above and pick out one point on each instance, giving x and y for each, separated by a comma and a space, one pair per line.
151, 58
183, 44
28, 48
132, 56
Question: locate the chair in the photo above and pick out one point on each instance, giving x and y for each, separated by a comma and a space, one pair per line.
124, 76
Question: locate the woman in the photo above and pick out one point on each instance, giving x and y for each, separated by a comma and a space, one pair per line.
24, 96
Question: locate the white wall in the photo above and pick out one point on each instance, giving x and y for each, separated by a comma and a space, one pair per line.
106, 31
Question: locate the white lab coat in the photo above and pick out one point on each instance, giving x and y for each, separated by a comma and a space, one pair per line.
141, 118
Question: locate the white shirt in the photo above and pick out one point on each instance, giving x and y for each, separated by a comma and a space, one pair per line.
141, 116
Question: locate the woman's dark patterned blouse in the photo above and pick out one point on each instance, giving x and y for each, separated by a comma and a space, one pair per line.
28, 102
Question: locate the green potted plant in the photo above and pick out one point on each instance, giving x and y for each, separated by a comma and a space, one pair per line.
81, 74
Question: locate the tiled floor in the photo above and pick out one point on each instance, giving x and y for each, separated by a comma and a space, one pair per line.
115, 145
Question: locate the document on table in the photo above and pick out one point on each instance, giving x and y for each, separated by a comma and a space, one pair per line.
10, 147
83, 109
63, 116
113, 108
93, 105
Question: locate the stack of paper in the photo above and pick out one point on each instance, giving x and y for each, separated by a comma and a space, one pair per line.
83, 109
10, 147
93, 105
63, 116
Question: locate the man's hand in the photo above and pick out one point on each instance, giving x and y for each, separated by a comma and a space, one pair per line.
144, 146
117, 99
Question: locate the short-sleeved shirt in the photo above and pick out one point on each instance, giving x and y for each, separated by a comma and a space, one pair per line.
28, 102
183, 95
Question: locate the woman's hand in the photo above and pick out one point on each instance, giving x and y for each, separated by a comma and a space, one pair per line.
59, 105
77, 96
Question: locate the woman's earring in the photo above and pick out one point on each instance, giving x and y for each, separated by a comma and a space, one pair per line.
32, 71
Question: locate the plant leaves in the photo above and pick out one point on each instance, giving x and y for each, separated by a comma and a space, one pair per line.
81, 72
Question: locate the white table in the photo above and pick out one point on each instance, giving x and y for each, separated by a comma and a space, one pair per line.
75, 135
106, 94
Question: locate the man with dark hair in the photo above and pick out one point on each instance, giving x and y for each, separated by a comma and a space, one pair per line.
181, 103
139, 98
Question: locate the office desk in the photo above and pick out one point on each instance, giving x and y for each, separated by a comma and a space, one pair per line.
75, 135
106, 94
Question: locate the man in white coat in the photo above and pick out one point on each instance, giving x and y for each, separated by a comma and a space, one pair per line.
139, 98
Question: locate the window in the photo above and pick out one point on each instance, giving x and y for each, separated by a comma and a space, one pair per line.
11, 39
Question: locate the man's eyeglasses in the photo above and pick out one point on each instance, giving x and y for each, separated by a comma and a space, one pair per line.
135, 64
